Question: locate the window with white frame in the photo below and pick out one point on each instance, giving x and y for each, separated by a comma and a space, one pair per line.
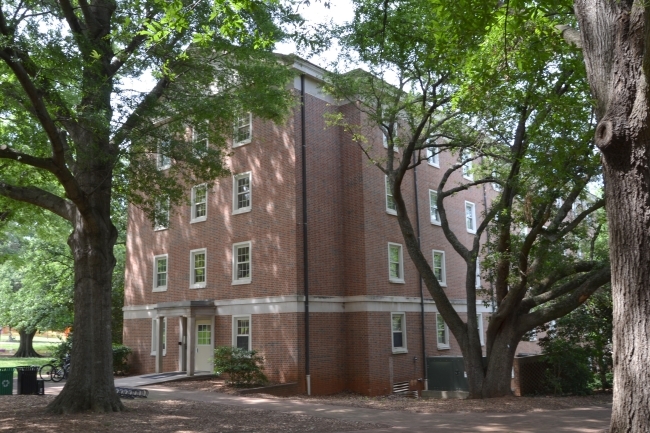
199, 203
200, 140
384, 136
243, 129
439, 267
241, 263
433, 207
161, 214
477, 281
163, 161
160, 272
391, 207
241, 193
398, 329
241, 336
442, 332
479, 324
467, 167
470, 217
198, 268
433, 158
395, 263
154, 336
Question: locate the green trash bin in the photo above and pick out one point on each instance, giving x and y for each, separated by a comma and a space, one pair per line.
6, 381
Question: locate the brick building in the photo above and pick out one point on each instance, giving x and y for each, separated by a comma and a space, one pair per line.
229, 269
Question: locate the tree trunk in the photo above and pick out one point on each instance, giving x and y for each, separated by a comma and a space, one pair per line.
90, 385
614, 37
26, 347
498, 377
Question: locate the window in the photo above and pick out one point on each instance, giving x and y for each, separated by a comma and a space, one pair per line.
199, 203
243, 129
203, 335
398, 328
241, 263
163, 162
199, 141
391, 208
439, 267
433, 207
530, 335
154, 336
477, 281
470, 217
442, 332
479, 323
467, 167
432, 156
161, 214
241, 193
160, 273
395, 263
241, 336
197, 268
384, 137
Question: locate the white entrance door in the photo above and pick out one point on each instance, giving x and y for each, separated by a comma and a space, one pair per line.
204, 353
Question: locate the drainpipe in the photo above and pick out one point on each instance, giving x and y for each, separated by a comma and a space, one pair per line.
305, 261
417, 225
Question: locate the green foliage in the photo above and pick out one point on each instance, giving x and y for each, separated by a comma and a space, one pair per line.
244, 367
63, 349
569, 368
120, 359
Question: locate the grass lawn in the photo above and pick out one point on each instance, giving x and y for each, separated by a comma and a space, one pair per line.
18, 362
42, 345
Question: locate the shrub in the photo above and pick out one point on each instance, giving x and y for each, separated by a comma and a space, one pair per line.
244, 367
64, 348
570, 368
120, 357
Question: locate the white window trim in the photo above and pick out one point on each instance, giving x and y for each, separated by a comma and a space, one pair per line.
235, 178
193, 207
195, 137
442, 346
404, 348
248, 280
467, 169
159, 160
430, 155
386, 194
155, 273
401, 264
479, 320
477, 281
443, 271
250, 131
250, 330
154, 337
158, 227
473, 229
193, 253
432, 204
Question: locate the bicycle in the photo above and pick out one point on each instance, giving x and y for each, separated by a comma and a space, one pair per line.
55, 370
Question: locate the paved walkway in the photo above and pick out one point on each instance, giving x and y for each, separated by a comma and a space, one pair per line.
580, 420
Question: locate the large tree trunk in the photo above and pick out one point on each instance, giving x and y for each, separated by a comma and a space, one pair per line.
614, 35
26, 347
90, 385
498, 377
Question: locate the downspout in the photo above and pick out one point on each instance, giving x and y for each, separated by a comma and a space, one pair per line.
417, 225
305, 261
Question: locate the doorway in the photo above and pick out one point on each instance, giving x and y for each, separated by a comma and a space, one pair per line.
204, 351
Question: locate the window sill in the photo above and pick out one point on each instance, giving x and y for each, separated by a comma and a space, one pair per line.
160, 229
443, 284
154, 353
242, 210
396, 281
160, 289
434, 165
198, 220
239, 282
400, 351
473, 232
436, 223
241, 143
198, 286
391, 212
166, 167
443, 347
468, 177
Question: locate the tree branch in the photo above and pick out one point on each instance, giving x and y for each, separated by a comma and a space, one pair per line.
40, 198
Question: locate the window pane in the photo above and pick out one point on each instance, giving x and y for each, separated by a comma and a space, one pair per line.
200, 199
161, 272
199, 267
390, 201
242, 342
243, 192
441, 330
397, 323
243, 262
398, 339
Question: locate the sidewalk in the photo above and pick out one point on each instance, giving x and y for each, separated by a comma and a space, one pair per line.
580, 420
